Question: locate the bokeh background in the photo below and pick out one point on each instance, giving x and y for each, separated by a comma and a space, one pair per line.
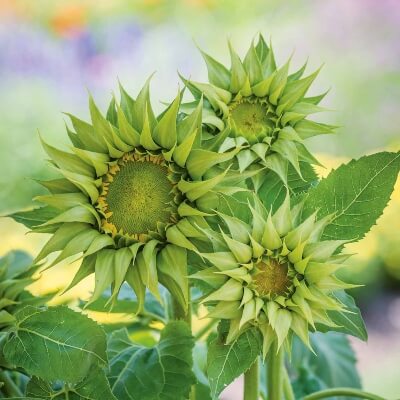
53, 52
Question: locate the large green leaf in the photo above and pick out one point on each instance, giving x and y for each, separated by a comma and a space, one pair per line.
333, 365
94, 386
351, 322
163, 372
55, 343
356, 193
35, 216
225, 362
273, 190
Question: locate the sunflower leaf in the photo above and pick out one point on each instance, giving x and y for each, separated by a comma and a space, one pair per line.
334, 364
225, 362
162, 372
350, 323
357, 193
93, 387
51, 343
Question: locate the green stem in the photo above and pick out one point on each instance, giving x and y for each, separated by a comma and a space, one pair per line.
205, 329
275, 368
186, 315
324, 394
287, 386
251, 382
9, 386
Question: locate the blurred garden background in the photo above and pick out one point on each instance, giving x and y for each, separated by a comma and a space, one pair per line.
53, 52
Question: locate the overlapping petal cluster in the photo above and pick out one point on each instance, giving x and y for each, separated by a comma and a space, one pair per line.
260, 106
274, 272
129, 194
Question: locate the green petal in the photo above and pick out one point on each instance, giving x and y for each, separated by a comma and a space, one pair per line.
218, 75
282, 326
296, 90
321, 251
271, 239
249, 313
135, 282
76, 245
142, 109
200, 161
86, 268
209, 275
104, 273
97, 160
226, 310
241, 251
230, 291
279, 83
77, 214
87, 135
165, 131
60, 238
127, 132
84, 183
68, 161
147, 263
238, 229
253, 66
122, 261
146, 139
282, 218
195, 190
222, 260
64, 200
238, 73
175, 236
99, 243
172, 272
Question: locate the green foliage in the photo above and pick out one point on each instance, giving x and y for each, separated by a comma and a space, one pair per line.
273, 191
332, 365
162, 372
356, 193
350, 322
35, 216
226, 362
94, 386
51, 343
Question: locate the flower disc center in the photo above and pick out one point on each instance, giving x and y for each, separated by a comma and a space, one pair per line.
250, 120
271, 277
139, 196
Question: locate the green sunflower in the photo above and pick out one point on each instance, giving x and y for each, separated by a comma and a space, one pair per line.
273, 272
261, 108
129, 193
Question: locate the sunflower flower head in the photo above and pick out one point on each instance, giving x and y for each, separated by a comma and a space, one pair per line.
129, 195
260, 107
273, 272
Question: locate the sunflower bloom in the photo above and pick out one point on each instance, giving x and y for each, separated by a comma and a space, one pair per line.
129, 195
261, 108
272, 272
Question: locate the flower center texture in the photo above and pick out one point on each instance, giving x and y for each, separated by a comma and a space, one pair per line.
271, 277
139, 195
249, 119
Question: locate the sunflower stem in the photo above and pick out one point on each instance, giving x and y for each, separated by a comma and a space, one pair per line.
339, 392
287, 386
179, 313
251, 382
9, 386
275, 372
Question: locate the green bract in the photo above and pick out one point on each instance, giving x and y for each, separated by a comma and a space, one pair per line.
16, 273
260, 108
130, 195
273, 272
